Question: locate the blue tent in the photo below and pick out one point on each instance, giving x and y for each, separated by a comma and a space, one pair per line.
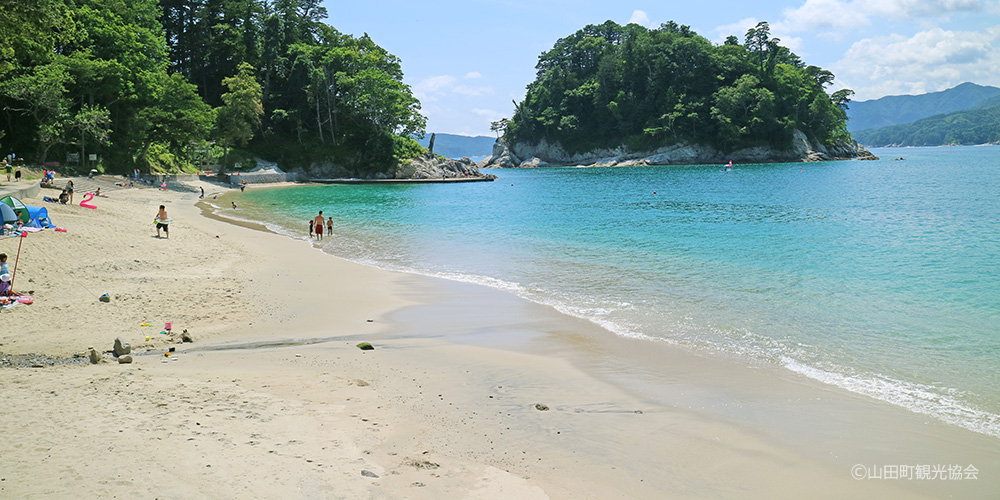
7, 215
38, 217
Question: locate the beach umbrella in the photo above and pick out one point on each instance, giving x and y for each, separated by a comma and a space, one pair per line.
17, 206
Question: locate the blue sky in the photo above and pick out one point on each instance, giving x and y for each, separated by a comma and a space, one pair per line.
467, 60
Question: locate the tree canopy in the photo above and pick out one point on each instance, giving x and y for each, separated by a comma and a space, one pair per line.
119, 77
608, 85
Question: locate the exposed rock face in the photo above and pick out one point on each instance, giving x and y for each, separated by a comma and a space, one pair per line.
545, 154
429, 166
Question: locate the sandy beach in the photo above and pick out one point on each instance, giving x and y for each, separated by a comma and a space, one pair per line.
470, 393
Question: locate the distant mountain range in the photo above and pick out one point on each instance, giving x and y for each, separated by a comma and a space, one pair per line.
966, 114
897, 109
458, 146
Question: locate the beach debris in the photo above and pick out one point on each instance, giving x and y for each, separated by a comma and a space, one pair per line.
124, 360
541, 407
95, 357
421, 464
365, 346
104, 298
361, 383
368, 473
371, 321
122, 347
186, 337
298, 355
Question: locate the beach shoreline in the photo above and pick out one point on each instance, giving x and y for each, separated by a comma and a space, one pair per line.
448, 405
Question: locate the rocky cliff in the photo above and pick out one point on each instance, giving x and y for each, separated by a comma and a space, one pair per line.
426, 166
429, 166
544, 154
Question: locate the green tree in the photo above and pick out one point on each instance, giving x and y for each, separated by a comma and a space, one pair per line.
177, 118
241, 110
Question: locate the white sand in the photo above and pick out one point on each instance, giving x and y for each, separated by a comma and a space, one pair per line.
444, 407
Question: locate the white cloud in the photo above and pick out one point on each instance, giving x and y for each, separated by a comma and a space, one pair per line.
929, 61
472, 91
639, 17
473, 75
815, 15
427, 89
432, 88
485, 112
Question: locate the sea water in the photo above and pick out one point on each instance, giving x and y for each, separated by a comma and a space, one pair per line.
880, 277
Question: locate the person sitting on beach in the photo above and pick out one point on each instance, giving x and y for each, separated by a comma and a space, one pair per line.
64, 197
5, 289
3, 264
162, 220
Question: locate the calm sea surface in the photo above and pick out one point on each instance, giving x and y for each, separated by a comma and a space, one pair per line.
881, 277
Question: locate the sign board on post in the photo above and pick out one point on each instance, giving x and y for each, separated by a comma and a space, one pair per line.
92, 157
73, 157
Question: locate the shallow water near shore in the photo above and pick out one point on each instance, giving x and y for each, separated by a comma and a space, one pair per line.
879, 277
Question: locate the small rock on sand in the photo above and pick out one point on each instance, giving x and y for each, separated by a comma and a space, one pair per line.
122, 347
541, 407
368, 473
365, 346
95, 357
124, 359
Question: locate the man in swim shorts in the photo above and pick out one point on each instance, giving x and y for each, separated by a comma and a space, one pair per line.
161, 221
318, 226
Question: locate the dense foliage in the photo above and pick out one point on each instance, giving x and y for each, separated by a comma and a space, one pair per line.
124, 78
609, 85
979, 125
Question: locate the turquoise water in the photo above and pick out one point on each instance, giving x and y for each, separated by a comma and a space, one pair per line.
881, 277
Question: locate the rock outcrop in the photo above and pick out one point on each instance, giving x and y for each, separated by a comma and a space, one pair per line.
430, 166
546, 154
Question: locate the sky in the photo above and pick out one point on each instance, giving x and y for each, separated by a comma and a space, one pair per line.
468, 60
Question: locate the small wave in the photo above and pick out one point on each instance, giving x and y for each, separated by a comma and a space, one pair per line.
918, 398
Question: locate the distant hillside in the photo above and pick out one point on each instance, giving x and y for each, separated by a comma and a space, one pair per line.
458, 146
978, 125
898, 109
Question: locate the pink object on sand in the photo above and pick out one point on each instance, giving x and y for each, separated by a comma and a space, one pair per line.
168, 326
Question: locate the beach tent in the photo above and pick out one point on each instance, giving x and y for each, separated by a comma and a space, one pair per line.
39, 217
19, 208
7, 215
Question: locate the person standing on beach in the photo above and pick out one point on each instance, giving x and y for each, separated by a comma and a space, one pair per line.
69, 190
162, 221
17, 174
318, 226
329, 226
6, 168
311, 228
202, 192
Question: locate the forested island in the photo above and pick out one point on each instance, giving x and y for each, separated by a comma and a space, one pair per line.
158, 85
609, 93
